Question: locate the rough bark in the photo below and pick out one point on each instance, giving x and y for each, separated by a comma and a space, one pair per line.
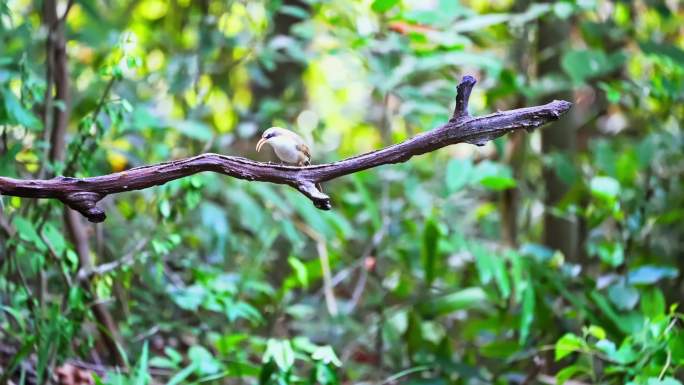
57, 63
82, 194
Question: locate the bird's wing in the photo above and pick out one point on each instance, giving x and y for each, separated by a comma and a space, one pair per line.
304, 149
300, 143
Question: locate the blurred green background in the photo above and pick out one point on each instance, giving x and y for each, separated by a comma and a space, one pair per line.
536, 259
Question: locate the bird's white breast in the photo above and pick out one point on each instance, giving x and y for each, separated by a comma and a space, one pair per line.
286, 149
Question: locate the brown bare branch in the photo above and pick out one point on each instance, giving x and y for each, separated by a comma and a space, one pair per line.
82, 194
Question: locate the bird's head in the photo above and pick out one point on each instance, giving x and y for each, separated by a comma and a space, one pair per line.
268, 135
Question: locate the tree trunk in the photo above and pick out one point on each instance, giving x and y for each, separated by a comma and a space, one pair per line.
560, 233
58, 73
287, 74
514, 153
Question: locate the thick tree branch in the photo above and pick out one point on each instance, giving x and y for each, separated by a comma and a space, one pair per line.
82, 194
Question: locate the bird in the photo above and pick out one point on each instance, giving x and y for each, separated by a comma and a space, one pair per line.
288, 146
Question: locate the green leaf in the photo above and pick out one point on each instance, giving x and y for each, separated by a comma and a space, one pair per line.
459, 173
613, 94
239, 309
17, 315
203, 360
503, 349
324, 375
563, 9
55, 238
431, 235
381, 6
280, 352
664, 381
607, 347
369, 200
179, 377
676, 346
568, 344
491, 266
626, 354
165, 208
498, 183
582, 65
299, 270
650, 274
670, 51
477, 23
597, 331
413, 337
15, 113
163, 362
627, 324
484, 261
625, 297
569, 372
611, 253
444, 13
469, 298
605, 187
501, 276
653, 303
194, 130
527, 315
17, 357
189, 298
27, 232
495, 176
141, 376
327, 355
534, 11
295, 11
565, 167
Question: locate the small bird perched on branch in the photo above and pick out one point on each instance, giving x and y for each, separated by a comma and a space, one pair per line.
288, 146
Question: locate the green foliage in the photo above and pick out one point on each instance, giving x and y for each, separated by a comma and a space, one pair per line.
414, 275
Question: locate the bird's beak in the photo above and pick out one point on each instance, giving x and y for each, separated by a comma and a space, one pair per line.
260, 144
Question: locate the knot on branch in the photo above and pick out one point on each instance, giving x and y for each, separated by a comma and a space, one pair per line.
313, 192
462, 96
558, 108
86, 203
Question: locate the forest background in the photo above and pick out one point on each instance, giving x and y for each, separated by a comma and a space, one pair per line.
547, 257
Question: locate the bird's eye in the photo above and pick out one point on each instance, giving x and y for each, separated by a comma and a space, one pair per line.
270, 135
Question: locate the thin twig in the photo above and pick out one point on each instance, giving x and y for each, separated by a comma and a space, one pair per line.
550, 380
104, 369
373, 246
69, 169
322, 250
5, 225
668, 361
127, 260
393, 378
